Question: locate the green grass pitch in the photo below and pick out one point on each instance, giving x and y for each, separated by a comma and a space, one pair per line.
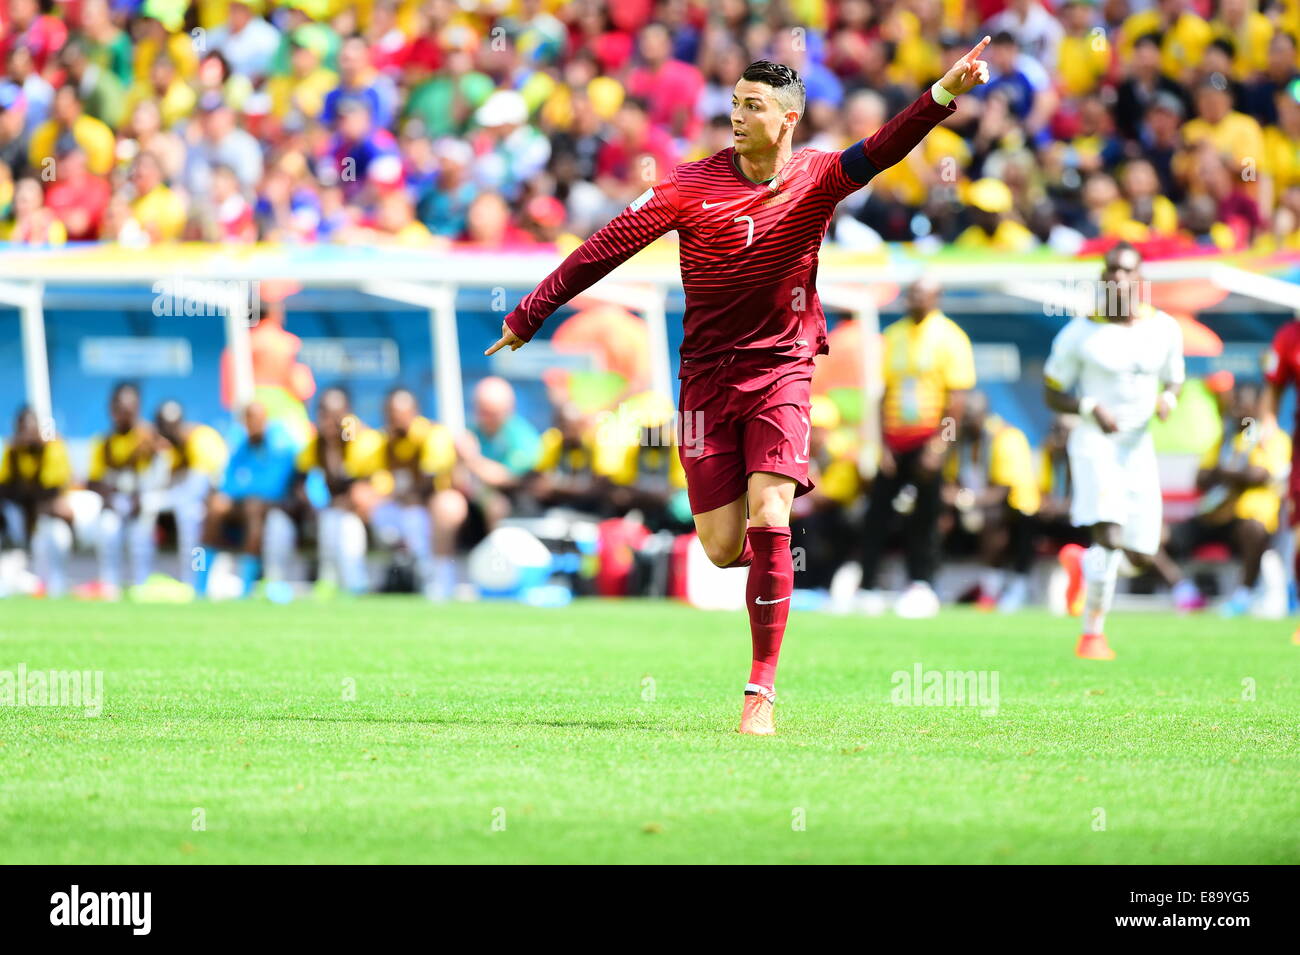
391, 730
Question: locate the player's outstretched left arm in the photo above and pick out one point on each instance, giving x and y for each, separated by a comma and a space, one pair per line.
898, 137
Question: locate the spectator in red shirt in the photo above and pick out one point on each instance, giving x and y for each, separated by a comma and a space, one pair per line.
638, 156
669, 86
78, 197
43, 35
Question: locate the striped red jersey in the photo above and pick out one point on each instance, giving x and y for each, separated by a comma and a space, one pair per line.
748, 250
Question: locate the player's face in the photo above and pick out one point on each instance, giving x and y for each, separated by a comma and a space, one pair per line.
124, 409
757, 120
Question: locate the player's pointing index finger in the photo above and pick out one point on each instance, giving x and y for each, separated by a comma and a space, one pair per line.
974, 54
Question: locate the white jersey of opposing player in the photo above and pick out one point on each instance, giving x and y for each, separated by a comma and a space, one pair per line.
1120, 366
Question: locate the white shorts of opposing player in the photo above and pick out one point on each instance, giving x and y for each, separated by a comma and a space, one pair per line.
1116, 481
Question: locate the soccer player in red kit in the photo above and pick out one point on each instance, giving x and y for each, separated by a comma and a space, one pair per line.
750, 221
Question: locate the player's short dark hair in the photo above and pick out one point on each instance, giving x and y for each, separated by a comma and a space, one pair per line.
785, 82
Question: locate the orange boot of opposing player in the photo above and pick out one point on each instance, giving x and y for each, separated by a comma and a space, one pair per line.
756, 716
1093, 646
1071, 558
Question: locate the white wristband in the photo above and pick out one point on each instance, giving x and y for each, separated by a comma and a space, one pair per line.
1086, 407
941, 95
1169, 400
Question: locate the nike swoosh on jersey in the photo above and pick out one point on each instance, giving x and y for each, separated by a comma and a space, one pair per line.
704, 203
760, 600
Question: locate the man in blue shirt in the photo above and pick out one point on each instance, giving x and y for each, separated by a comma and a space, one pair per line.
498, 450
257, 481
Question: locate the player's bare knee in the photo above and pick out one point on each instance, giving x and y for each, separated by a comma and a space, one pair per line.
449, 508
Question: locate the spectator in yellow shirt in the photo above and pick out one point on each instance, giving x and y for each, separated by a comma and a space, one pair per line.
1241, 480
822, 522
158, 210
927, 369
346, 453
991, 485
1084, 52
637, 450
1282, 141
1249, 32
122, 473
198, 462
34, 474
68, 118
1230, 132
417, 506
1185, 36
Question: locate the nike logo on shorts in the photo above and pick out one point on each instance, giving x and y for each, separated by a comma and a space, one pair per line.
760, 600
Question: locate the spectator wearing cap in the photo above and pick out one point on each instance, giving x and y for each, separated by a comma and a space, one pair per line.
100, 91
78, 197
992, 227
159, 211
637, 156
1083, 54
510, 151
444, 206
1183, 36
68, 125
446, 101
176, 99
1143, 82
302, 90
220, 143
1259, 97
247, 41
669, 87
358, 79
1037, 32
105, 44
41, 34
33, 223
1249, 32
1228, 131
356, 144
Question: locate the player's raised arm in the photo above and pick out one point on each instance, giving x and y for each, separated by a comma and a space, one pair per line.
649, 216
898, 137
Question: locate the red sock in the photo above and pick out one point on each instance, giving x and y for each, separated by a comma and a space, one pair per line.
746, 556
767, 596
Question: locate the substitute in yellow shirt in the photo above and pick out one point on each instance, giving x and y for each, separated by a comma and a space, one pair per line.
926, 357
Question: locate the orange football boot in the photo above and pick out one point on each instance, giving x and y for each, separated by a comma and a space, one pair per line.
1093, 646
1071, 558
756, 717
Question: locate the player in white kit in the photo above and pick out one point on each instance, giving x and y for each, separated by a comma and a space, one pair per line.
1123, 364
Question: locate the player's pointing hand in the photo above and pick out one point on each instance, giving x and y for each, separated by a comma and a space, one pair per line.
968, 72
507, 338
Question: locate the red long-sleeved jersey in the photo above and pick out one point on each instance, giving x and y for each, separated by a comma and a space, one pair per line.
748, 250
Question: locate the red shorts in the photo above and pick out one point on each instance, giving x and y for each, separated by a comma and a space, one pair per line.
730, 426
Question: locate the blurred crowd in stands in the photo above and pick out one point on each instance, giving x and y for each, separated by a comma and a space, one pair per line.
512, 123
